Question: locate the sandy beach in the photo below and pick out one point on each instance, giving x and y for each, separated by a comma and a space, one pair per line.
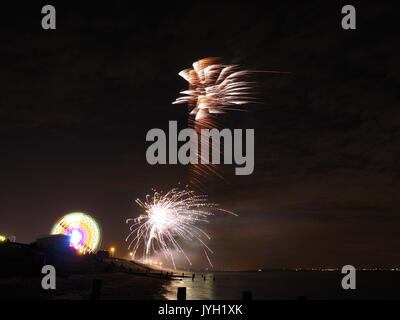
115, 286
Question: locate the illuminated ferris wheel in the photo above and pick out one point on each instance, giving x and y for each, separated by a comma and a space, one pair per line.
84, 232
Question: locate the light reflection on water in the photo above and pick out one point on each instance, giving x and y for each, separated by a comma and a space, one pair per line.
285, 285
198, 289
226, 286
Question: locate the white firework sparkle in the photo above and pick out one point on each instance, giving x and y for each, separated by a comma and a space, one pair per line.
169, 220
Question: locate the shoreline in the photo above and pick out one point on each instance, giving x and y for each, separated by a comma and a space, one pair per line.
115, 286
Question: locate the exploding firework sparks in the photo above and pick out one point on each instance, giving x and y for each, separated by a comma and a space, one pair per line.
169, 220
215, 88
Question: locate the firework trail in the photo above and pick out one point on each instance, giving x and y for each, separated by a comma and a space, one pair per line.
169, 220
214, 88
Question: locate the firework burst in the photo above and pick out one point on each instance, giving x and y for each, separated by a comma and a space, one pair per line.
215, 88
169, 220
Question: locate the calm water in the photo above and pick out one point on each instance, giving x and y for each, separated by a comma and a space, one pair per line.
287, 285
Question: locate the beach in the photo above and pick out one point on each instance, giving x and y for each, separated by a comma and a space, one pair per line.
115, 286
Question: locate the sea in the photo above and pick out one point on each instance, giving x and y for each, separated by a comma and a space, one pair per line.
286, 285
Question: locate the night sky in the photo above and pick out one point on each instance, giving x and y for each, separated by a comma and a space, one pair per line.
76, 104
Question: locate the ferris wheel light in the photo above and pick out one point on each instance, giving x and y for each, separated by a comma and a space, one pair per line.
83, 230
